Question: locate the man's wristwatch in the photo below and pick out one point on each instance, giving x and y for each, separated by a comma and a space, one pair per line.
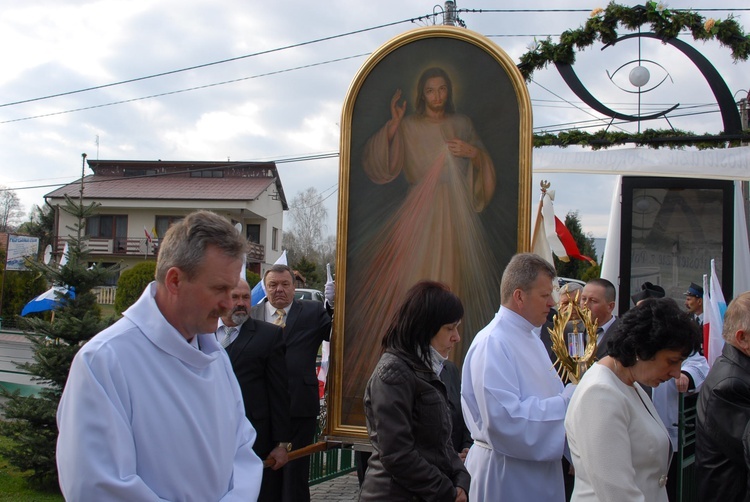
286, 446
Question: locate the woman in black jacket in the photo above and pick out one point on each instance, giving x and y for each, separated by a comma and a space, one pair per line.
408, 419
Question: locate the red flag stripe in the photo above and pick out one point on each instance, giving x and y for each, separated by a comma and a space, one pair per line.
568, 242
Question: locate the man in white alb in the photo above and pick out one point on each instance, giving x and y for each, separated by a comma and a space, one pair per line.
513, 400
152, 409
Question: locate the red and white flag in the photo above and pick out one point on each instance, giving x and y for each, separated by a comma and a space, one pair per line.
551, 235
325, 350
149, 237
714, 307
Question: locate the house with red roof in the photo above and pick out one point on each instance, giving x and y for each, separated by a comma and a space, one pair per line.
138, 201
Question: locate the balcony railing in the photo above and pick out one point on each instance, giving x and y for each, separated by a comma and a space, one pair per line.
121, 246
105, 295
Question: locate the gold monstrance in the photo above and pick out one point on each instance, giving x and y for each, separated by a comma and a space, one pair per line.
574, 355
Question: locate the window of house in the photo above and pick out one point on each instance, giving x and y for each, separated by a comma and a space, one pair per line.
252, 233
207, 173
275, 239
162, 224
138, 172
109, 226
111, 280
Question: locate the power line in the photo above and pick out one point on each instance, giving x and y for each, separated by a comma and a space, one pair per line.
332, 37
328, 38
179, 91
634, 107
542, 11
603, 121
545, 35
286, 160
595, 123
214, 63
335, 189
329, 155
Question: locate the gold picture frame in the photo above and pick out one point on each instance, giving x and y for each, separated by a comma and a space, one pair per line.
394, 228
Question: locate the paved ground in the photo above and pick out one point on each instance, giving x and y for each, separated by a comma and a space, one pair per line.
342, 488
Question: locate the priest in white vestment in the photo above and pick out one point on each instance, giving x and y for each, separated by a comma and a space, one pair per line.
152, 409
513, 400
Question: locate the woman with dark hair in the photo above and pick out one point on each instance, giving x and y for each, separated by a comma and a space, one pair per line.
405, 402
619, 445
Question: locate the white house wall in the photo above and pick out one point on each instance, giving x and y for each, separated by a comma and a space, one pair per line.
141, 214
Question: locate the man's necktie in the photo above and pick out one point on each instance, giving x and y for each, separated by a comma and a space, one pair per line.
280, 318
228, 332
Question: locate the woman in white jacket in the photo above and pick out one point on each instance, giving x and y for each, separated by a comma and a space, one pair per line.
619, 445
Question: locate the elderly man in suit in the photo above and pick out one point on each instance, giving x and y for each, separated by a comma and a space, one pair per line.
598, 296
257, 352
306, 325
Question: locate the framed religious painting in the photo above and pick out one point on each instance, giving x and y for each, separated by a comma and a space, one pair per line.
434, 184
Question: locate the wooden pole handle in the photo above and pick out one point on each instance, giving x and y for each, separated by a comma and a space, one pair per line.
302, 452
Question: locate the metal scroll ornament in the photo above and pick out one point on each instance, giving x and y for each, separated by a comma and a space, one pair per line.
575, 351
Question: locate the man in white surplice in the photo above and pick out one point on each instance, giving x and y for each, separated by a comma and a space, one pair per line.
513, 401
152, 409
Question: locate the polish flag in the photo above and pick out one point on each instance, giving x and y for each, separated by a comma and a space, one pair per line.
714, 307
551, 235
325, 351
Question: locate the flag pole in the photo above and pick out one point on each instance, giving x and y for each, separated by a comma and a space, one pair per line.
544, 185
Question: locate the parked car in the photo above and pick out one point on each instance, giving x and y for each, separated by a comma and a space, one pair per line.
308, 294
562, 281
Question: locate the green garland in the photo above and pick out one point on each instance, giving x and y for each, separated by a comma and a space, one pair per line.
654, 138
666, 24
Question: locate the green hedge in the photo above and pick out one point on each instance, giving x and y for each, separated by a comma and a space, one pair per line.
131, 284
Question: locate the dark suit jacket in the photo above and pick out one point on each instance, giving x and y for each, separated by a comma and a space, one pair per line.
460, 435
603, 338
258, 360
308, 324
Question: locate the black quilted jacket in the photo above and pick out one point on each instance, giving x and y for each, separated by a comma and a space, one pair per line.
410, 429
723, 418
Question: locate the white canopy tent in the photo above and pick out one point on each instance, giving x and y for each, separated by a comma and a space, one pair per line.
726, 164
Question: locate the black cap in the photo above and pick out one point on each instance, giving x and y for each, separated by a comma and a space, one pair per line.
648, 290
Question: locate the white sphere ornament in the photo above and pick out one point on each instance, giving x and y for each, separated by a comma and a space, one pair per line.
639, 76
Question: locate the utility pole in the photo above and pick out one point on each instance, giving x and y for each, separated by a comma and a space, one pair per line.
80, 198
450, 14
744, 112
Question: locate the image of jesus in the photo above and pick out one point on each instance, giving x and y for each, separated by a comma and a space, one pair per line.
435, 233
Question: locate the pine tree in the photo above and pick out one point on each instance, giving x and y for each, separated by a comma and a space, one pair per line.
308, 269
30, 420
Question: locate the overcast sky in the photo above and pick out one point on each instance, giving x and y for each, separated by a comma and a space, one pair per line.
282, 97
